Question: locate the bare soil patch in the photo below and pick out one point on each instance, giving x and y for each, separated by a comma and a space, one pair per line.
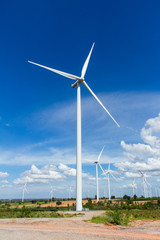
76, 228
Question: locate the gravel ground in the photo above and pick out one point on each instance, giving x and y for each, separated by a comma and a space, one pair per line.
75, 229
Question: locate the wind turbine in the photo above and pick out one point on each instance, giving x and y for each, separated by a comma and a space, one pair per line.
70, 192
51, 192
97, 163
109, 172
134, 186
79, 80
150, 189
23, 191
144, 184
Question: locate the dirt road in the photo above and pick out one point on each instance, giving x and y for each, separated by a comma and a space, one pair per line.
75, 229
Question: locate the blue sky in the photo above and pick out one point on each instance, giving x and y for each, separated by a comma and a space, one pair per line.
38, 107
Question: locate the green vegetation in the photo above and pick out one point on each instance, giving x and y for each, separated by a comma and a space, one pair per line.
123, 217
118, 211
34, 212
58, 203
112, 217
123, 211
127, 203
145, 214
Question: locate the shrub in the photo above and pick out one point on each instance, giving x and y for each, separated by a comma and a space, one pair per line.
58, 203
25, 212
114, 217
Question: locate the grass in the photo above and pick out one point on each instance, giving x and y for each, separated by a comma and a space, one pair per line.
145, 214
123, 217
112, 217
34, 212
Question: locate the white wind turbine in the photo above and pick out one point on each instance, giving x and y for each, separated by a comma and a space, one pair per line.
134, 186
98, 163
109, 172
70, 192
144, 184
51, 192
150, 189
23, 191
79, 80
149, 192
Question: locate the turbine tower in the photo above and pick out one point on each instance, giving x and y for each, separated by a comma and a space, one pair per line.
97, 163
144, 184
23, 191
51, 192
107, 173
149, 192
70, 192
134, 186
77, 84
150, 189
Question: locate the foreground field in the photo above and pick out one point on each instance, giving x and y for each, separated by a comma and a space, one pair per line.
76, 228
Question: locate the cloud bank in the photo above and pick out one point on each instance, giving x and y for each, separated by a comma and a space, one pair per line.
143, 156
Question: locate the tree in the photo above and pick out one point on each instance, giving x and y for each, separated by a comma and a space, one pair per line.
112, 197
58, 202
126, 197
135, 197
89, 204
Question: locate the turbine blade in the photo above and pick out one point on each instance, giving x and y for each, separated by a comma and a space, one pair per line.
86, 63
67, 75
100, 154
109, 165
145, 180
25, 189
86, 85
113, 176
148, 183
102, 168
141, 173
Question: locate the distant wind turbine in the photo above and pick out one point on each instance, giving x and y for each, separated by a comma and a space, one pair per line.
51, 192
134, 186
23, 191
79, 80
107, 173
144, 184
150, 189
70, 192
98, 163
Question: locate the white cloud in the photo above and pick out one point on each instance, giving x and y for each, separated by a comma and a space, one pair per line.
4, 182
43, 175
68, 171
143, 157
151, 165
132, 175
28, 156
131, 185
6, 186
140, 148
152, 126
4, 174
